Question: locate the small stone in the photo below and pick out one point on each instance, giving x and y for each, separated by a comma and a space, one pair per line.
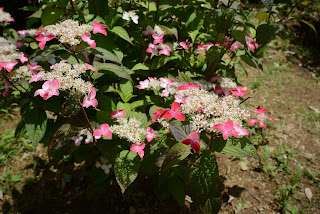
243, 166
308, 193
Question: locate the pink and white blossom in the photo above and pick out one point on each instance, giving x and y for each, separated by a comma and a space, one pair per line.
184, 45
165, 51
238, 92
138, 148
49, 89
226, 129
104, 130
19, 44
193, 140
119, 113
158, 39
173, 112
86, 38
99, 28
188, 86
144, 84
152, 48
77, 140
36, 77
43, 38
90, 99
150, 134
8, 65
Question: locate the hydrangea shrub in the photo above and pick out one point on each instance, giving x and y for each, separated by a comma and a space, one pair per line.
138, 88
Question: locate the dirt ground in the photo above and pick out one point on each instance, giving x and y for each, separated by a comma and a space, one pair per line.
289, 92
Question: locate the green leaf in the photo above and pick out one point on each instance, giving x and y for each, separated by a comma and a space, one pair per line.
202, 183
125, 106
159, 62
140, 66
20, 130
266, 32
108, 149
175, 154
120, 31
262, 17
193, 35
104, 54
116, 69
252, 61
126, 87
172, 31
310, 25
176, 189
137, 104
239, 36
126, 168
180, 132
15, 178
11, 33
36, 124
235, 147
51, 15
183, 77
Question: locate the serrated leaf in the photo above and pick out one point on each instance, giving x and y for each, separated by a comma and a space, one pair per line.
116, 69
120, 31
104, 54
126, 168
180, 132
239, 36
175, 154
176, 189
35, 121
126, 87
236, 147
202, 183
183, 77
140, 66
266, 32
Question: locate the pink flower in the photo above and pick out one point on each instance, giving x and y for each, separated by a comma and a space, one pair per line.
254, 120
10, 20
19, 44
180, 100
152, 49
8, 65
138, 148
157, 38
251, 43
184, 45
5, 94
238, 92
119, 113
186, 87
173, 112
104, 130
23, 59
240, 130
144, 84
226, 129
36, 77
22, 33
165, 51
77, 140
150, 134
90, 99
99, 28
157, 114
92, 68
193, 139
86, 38
235, 46
33, 68
217, 90
43, 38
165, 82
259, 110
49, 89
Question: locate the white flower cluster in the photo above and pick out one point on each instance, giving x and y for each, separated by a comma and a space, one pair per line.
205, 107
129, 129
69, 31
19, 73
8, 51
227, 83
4, 16
69, 77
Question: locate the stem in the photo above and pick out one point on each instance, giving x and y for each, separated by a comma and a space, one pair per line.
290, 11
95, 7
74, 10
